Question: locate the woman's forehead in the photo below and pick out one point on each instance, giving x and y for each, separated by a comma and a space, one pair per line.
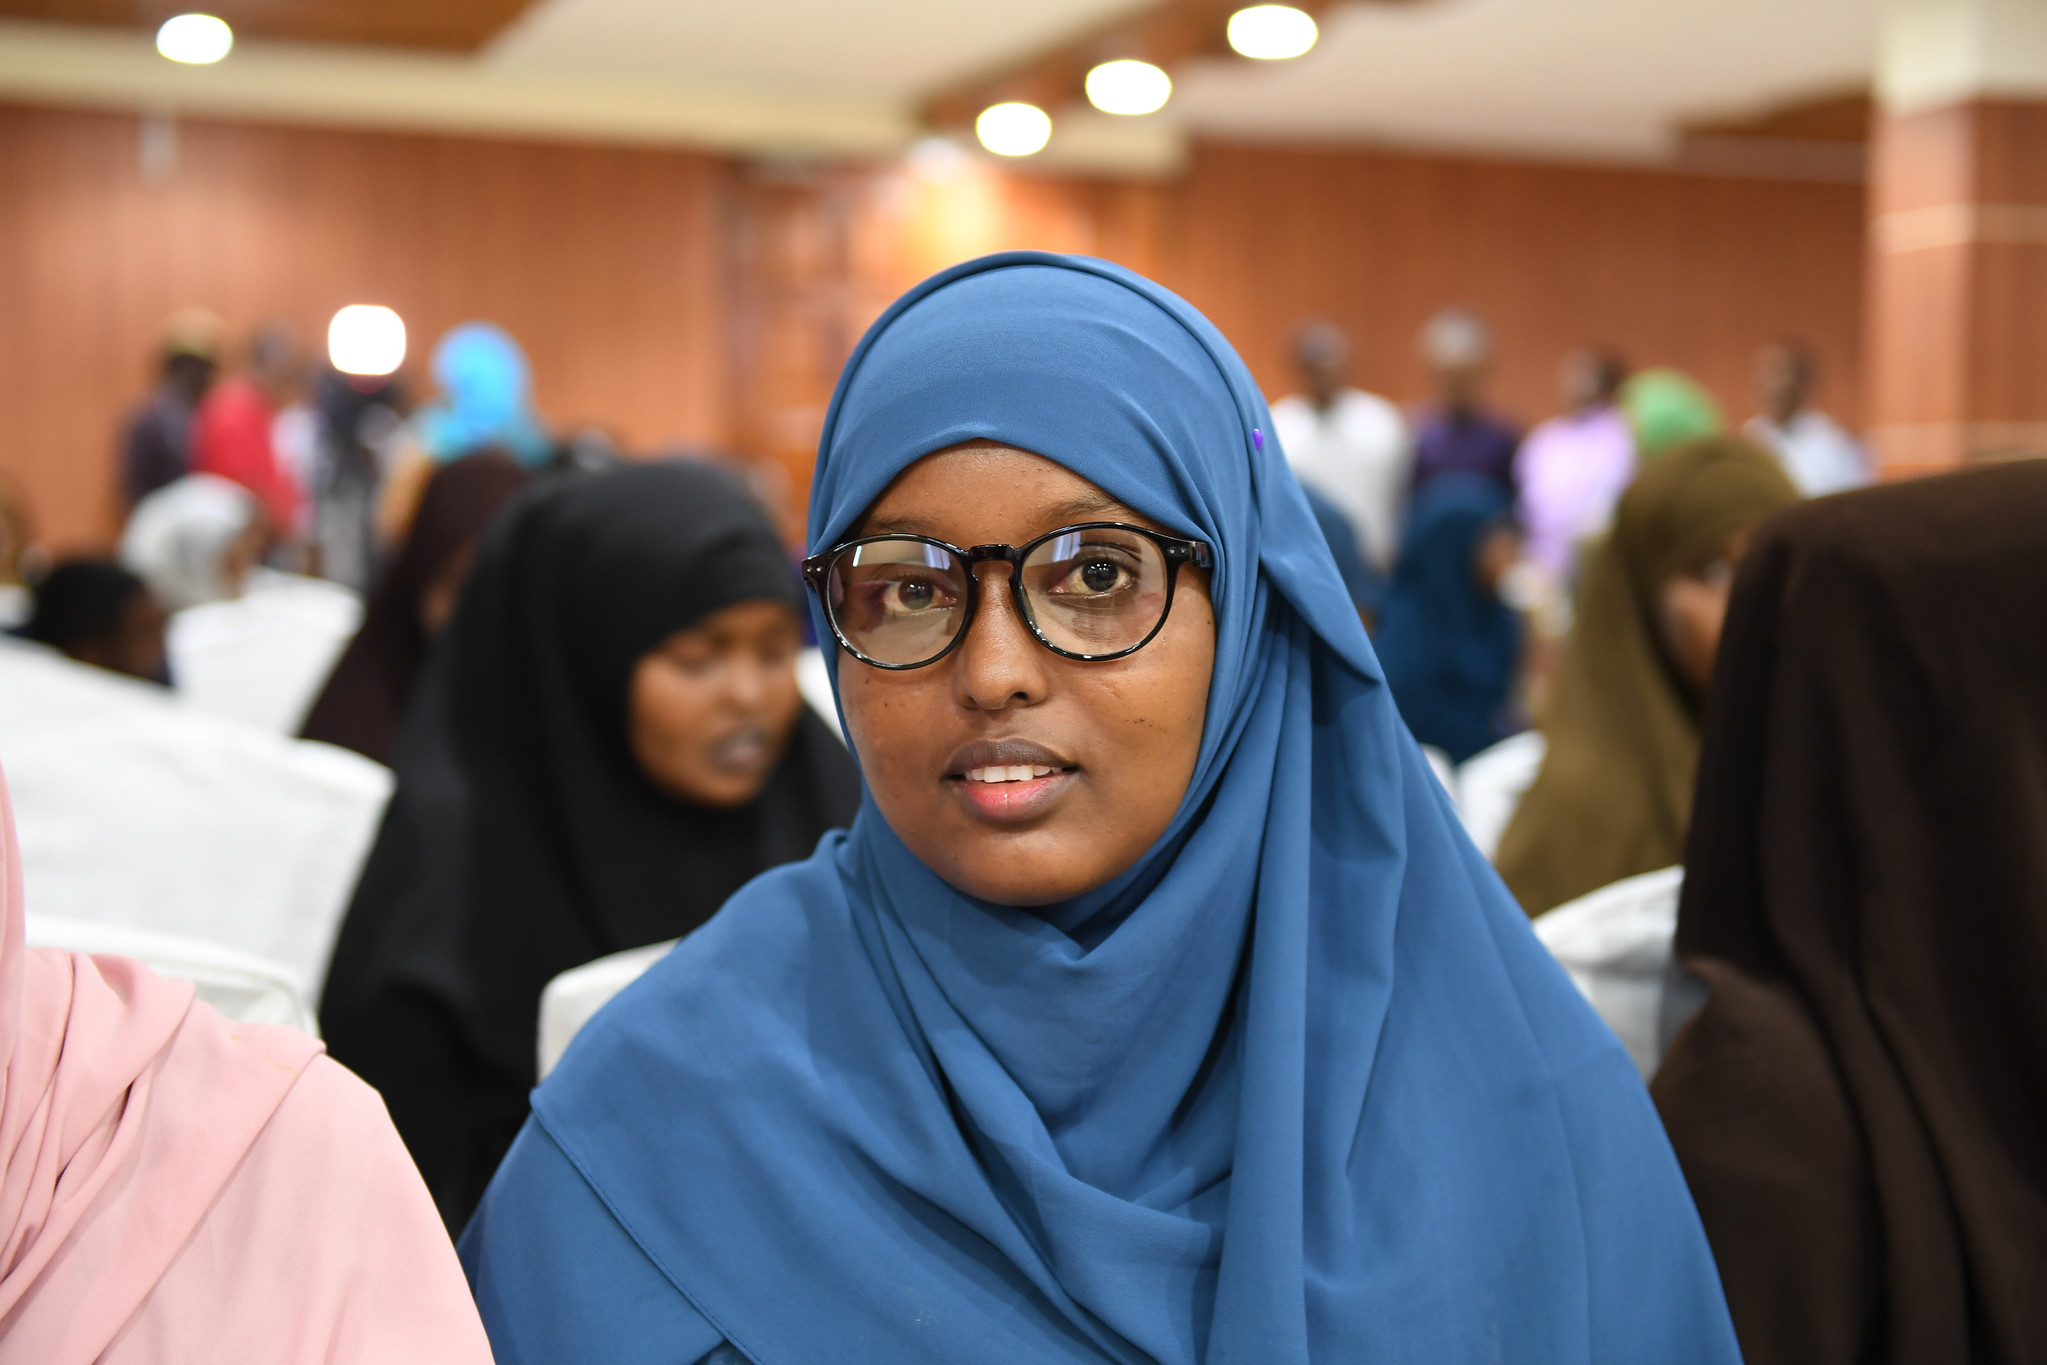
983, 492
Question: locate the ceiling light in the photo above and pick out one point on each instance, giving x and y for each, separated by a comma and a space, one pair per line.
1272, 32
1128, 87
1013, 129
195, 38
367, 339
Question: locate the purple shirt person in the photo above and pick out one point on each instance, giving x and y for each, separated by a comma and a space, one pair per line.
1572, 468
1458, 435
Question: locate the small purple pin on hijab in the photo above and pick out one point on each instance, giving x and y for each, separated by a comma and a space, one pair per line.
1257, 439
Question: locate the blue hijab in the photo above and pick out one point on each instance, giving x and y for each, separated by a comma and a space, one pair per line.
1449, 646
1300, 1086
485, 398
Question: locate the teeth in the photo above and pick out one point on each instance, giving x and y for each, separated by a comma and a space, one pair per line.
1020, 772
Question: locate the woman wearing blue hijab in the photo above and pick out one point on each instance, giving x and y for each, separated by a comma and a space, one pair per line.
1156, 1007
1448, 644
485, 398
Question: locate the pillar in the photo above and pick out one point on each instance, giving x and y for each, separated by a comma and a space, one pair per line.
1957, 316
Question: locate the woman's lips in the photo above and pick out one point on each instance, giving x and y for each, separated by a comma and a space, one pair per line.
1007, 781
1007, 799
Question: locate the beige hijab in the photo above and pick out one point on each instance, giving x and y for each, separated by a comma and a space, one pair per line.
1615, 791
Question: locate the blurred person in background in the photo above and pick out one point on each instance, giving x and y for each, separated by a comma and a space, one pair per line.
1349, 446
606, 742
364, 699
180, 1187
1666, 409
234, 433
1858, 1104
1819, 456
156, 447
1614, 793
358, 423
1448, 644
247, 642
1365, 584
1458, 435
99, 613
1571, 469
483, 398
196, 540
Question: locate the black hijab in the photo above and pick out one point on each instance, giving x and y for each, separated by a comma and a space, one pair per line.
364, 700
523, 839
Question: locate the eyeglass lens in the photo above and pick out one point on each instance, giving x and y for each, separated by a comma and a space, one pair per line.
1094, 591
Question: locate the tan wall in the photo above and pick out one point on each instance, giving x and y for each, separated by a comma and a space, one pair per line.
1673, 269
676, 298
608, 265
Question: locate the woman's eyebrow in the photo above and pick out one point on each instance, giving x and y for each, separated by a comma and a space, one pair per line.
1087, 505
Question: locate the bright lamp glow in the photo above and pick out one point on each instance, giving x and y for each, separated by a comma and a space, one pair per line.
366, 338
195, 38
1128, 87
1272, 32
1013, 129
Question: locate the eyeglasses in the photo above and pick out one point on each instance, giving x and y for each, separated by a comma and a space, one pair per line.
1099, 590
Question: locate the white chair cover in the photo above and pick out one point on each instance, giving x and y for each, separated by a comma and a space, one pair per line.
1491, 783
574, 997
263, 657
1445, 771
814, 681
136, 811
241, 986
1616, 944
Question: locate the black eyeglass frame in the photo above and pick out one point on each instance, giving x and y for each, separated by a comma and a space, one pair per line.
1178, 550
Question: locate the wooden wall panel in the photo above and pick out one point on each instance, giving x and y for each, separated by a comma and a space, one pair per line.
1958, 284
1674, 269
678, 299
608, 264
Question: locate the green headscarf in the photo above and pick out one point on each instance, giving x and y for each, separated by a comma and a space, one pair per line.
1667, 408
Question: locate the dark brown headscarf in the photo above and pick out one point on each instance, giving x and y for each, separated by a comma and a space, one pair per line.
1861, 1106
1615, 790
364, 698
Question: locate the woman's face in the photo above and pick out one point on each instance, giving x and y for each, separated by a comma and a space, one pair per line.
1692, 610
712, 707
1110, 745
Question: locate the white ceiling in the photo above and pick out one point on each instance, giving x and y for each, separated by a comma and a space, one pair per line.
1584, 77
894, 49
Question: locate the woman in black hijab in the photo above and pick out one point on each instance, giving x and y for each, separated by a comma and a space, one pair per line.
364, 699
606, 743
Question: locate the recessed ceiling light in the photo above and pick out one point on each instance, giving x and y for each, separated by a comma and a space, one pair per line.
1013, 129
1272, 32
1128, 87
198, 39
366, 339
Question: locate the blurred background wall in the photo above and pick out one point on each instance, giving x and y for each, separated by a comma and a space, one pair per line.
681, 298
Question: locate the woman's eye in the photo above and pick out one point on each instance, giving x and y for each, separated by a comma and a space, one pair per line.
912, 594
1094, 577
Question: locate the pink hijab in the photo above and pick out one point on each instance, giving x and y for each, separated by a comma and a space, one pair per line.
177, 1187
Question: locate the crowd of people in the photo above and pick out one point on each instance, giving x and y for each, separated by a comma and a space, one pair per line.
1099, 930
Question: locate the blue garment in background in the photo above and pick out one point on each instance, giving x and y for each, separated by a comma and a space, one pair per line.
1300, 1086
1365, 584
1449, 645
484, 400
1473, 442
